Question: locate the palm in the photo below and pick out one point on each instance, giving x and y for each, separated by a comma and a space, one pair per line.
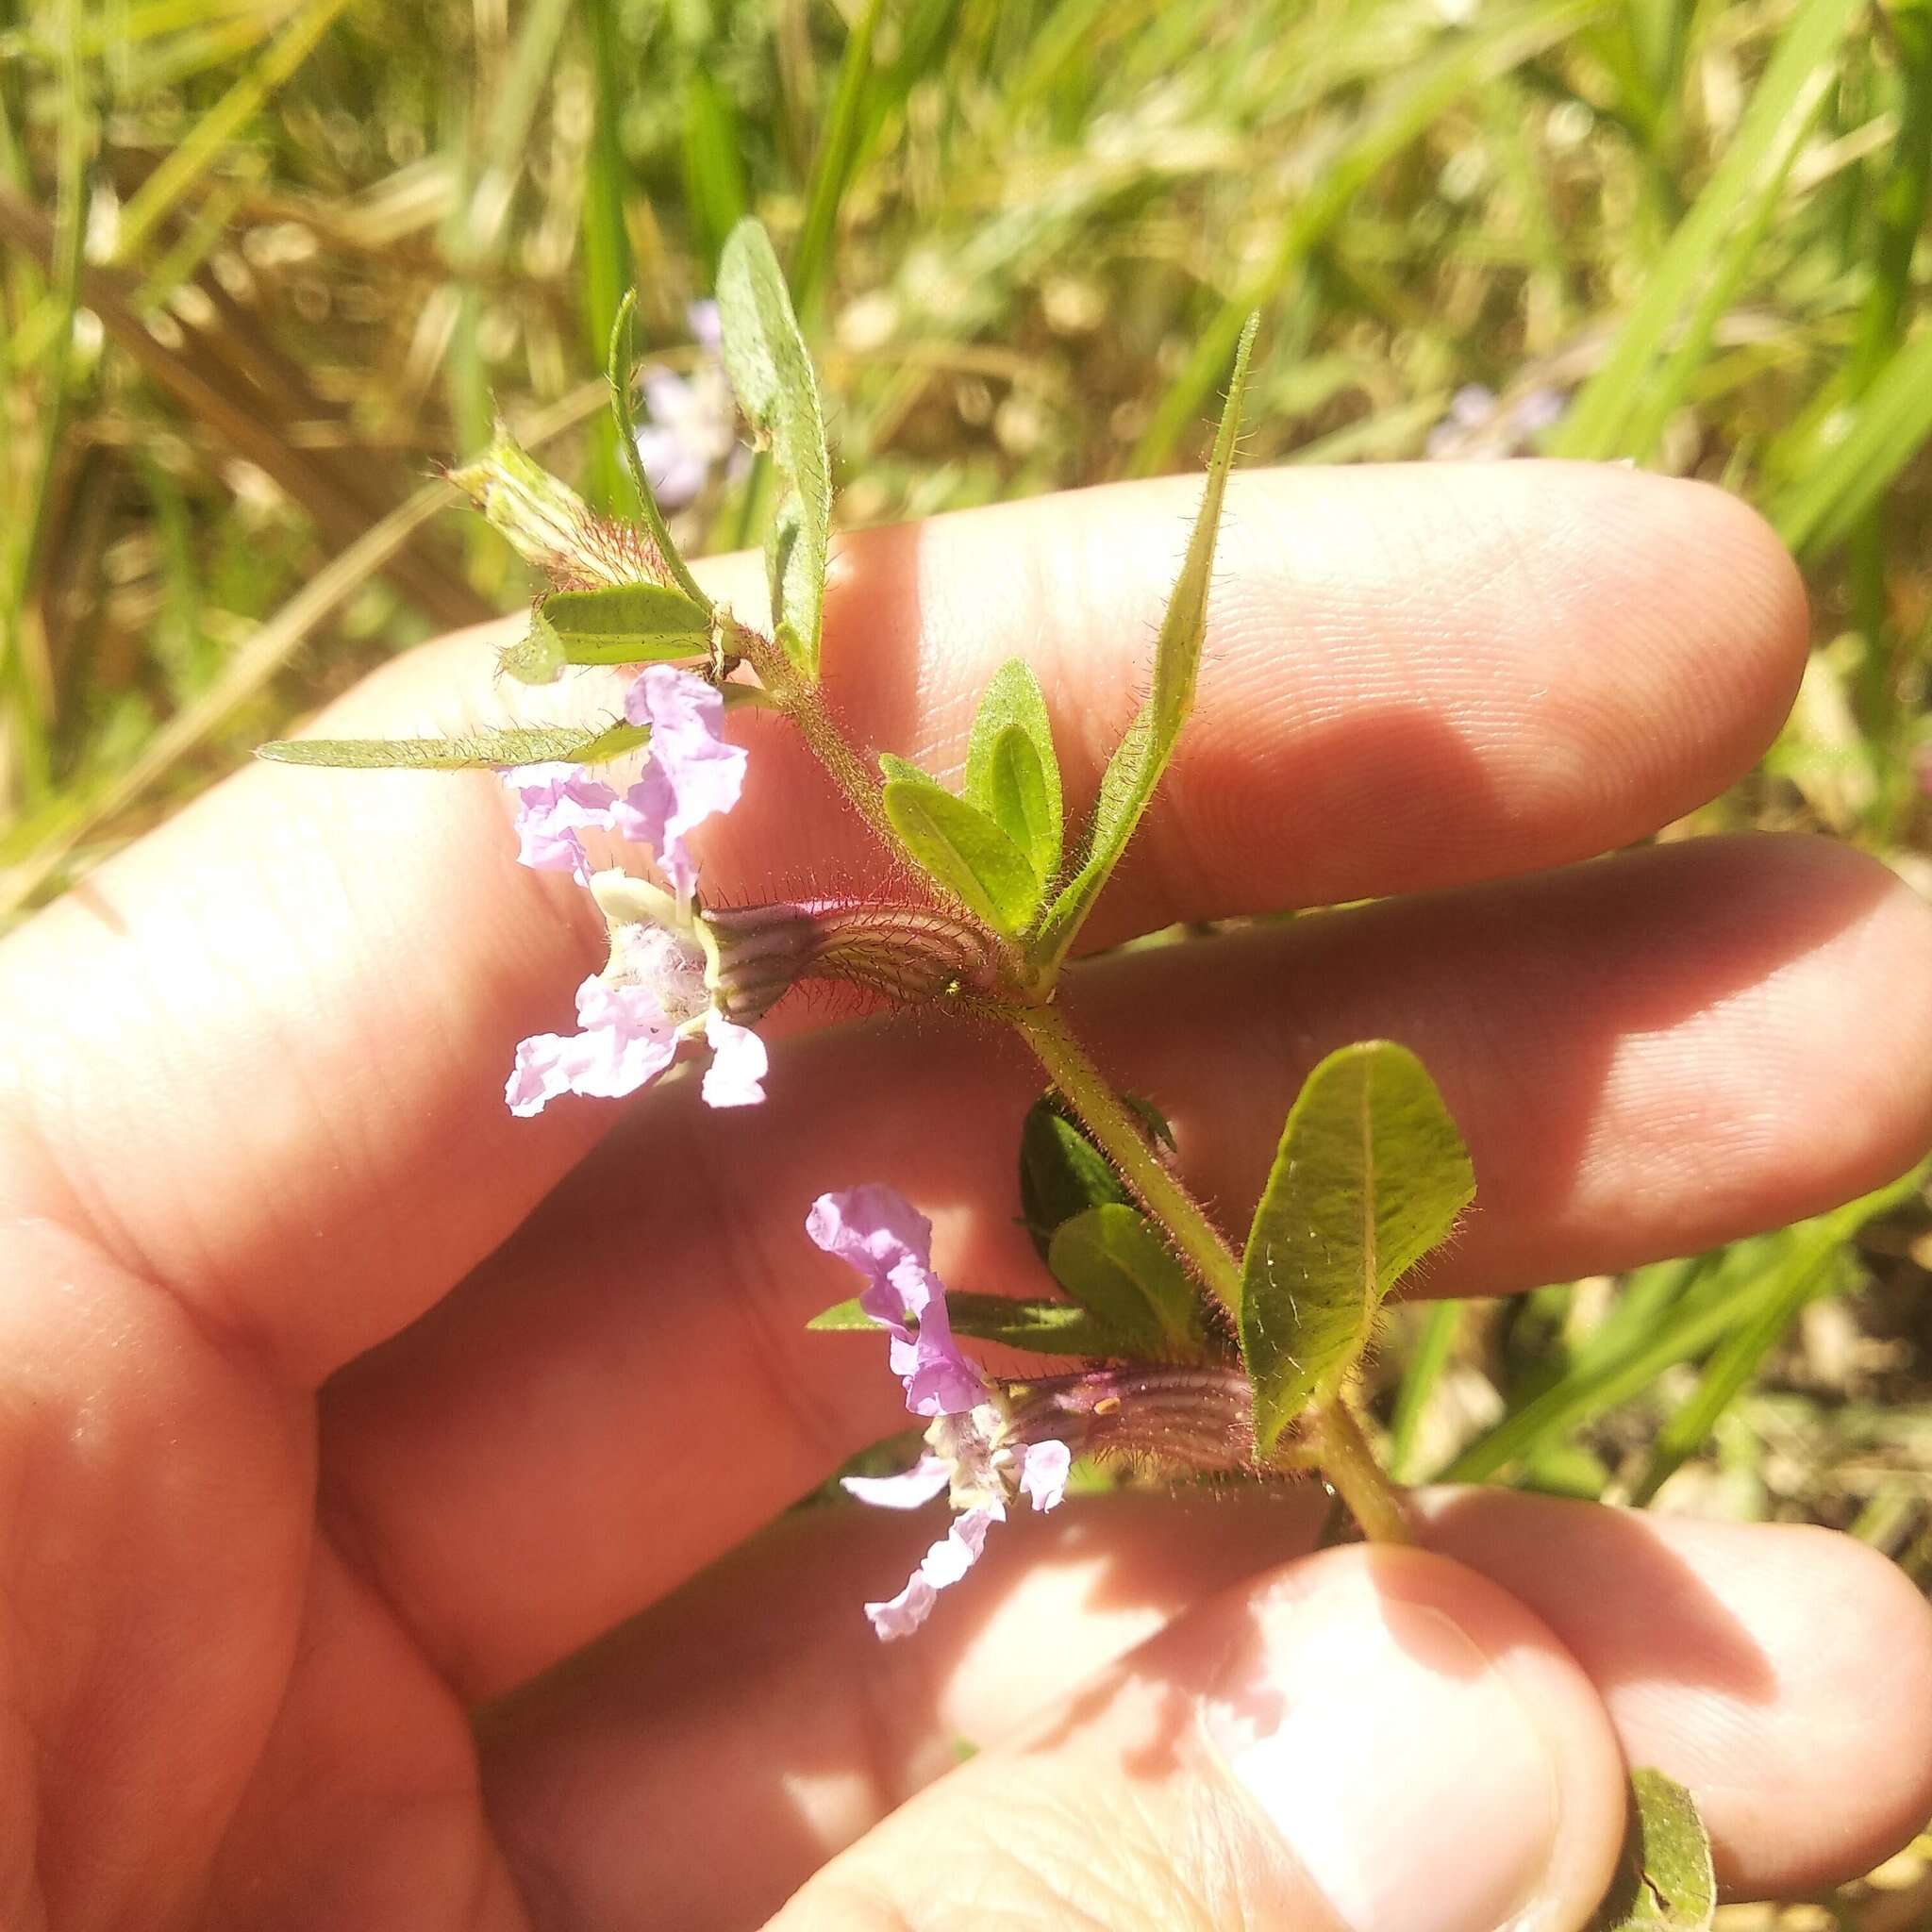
340, 1407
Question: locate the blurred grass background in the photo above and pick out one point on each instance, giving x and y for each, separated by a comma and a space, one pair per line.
265, 264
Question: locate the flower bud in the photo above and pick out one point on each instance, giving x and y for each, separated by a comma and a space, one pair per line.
548, 524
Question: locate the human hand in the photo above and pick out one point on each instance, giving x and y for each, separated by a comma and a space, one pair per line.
338, 1405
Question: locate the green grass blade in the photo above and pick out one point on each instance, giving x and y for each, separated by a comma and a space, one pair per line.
838, 155
1891, 424
1786, 97
1433, 1347
1735, 1360
202, 145
1700, 1321
1392, 124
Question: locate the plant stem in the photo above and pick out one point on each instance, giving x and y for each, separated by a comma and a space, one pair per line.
801, 700
1334, 1437
1374, 1500
1123, 1142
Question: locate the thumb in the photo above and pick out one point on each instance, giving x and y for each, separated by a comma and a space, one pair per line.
1365, 1740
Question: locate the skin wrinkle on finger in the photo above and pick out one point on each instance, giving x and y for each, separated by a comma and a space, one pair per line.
1294, 784
472, 1426
1704, 1641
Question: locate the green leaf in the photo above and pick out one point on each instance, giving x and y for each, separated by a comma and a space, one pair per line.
1112, 1259
1046, 1328
620, 363
962, 848
1664, 1880
1370, 1176
536, 657
1062, 1174
1012, 772
478, 750
1143, 755
770, 370
628, 623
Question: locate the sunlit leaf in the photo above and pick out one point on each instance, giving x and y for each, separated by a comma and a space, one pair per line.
1143, 755
475, 750
1664, 1880
770, 370
628, 623
1062, 1174
962, 848
1370, 1176
1046, 1328
1112, 1260
620, 366
1012, 773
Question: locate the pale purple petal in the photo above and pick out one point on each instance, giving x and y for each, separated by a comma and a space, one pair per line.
871, 1228
887, 1240
626, 1041
554, 802
1540, 408
944, 1564
539, 1076
693, 773
738, 1063
675, 470
706, 327
927, 1477
667, 395
1044, 1468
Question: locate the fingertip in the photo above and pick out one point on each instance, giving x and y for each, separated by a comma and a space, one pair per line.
1364, 1741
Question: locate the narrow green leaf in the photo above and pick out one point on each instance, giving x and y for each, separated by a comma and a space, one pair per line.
1046, 1328
478, 750
629, 623
1012, 772
619, 371
1664, 1880
1143, 755
770, 370
1370, 1176
1112, 1260
962, 848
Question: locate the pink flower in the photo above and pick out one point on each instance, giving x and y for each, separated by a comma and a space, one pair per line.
888, 1240
555, 802
689, 774
627, 1041
693, 774
633, 1016
971, 1450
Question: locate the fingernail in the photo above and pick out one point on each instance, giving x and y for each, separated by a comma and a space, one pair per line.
1393, 1755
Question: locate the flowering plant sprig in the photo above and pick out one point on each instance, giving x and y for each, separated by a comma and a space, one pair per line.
1191, 1355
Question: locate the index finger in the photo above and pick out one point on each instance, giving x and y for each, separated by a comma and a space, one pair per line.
261, 1057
